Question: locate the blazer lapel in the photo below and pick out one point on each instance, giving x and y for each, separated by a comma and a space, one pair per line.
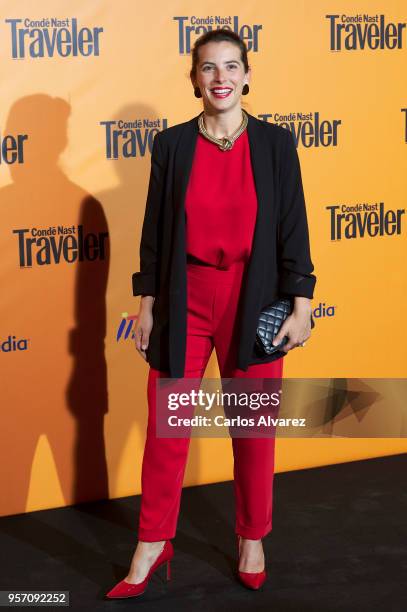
254, 281
262, 167
184, 155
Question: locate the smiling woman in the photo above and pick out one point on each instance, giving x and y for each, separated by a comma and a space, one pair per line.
224, 234
225, 79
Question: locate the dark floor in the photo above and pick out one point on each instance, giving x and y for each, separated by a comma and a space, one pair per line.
339, 543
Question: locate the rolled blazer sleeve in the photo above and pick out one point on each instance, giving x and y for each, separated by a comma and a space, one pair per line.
145, 281
295, 265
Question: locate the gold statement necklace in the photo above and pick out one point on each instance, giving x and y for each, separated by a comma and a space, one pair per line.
227, 142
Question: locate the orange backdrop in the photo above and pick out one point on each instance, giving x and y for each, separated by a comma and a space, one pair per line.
85, 88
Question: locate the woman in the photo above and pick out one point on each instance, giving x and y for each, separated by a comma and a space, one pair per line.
225, 233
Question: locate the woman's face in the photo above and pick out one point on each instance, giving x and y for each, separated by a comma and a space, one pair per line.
220, 75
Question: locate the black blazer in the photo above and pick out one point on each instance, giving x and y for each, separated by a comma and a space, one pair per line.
280, 262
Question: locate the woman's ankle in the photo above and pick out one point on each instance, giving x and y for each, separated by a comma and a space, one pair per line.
151, 546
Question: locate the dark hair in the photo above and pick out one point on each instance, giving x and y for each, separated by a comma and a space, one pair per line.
223, 34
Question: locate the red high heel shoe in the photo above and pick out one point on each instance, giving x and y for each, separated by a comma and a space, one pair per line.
128, 589
251, 580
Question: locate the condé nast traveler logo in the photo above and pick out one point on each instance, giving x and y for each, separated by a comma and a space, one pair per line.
364, 31
364, 219
50, 37
131, 138
56, 244
309, 129
190, 28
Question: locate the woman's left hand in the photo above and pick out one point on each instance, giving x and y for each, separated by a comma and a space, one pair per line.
297, 326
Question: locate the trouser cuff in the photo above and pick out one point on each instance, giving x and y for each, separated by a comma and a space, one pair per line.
252, 533
147, 535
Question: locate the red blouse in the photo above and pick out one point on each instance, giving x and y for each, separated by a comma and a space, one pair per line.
221, 203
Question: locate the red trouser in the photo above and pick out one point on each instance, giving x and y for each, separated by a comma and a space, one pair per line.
212, 300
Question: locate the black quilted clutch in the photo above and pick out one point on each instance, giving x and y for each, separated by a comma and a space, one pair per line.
271, 319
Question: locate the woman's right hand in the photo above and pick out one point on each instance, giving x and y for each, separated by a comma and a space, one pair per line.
144, 325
